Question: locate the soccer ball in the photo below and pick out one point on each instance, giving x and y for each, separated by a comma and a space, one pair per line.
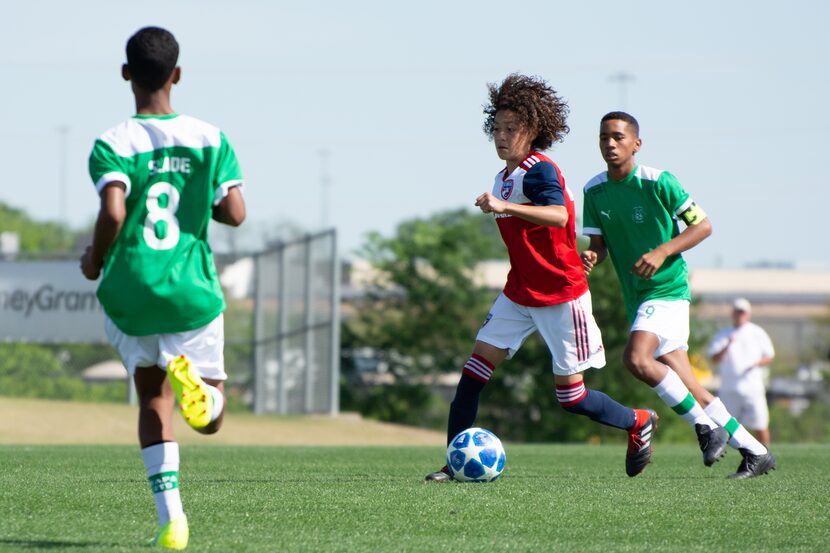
475, 455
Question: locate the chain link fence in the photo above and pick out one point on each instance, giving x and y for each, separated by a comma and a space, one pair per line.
296, 327
281, 330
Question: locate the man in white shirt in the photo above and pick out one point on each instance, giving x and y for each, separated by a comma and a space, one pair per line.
742, 350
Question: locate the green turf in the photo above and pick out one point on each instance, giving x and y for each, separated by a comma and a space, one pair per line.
551, 498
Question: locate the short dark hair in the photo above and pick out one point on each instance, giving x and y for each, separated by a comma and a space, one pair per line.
536, 104
152, 53
622, 116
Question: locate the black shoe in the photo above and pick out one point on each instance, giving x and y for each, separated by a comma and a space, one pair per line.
442, 475
639, 442
753, 465
712, 443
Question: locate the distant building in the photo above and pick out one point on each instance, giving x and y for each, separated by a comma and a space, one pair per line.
789, 303
792, 305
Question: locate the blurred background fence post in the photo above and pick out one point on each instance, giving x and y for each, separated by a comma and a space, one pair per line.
296, 326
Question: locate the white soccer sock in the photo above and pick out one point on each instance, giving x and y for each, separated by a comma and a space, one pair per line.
162, 464
739, 437
218, 401
677, 396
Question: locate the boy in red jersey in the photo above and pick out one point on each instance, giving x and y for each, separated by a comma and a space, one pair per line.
546, 289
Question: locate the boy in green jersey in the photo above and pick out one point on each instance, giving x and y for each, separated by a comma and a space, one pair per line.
161, 176
630, 213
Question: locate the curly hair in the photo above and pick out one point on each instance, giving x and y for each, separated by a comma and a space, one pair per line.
536, 104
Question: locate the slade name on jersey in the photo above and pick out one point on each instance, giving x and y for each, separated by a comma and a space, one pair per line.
169, 165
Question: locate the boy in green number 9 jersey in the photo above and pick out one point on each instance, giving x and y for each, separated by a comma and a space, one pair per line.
631, 213
161, 177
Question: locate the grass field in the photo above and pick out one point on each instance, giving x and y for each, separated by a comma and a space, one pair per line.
551, 498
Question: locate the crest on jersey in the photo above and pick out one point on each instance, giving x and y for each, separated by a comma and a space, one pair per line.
506, 189
638, 215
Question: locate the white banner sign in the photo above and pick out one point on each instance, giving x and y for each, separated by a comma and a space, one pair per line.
48, 301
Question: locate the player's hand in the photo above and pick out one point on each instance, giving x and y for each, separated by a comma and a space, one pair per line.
589, 260
89, 268
649, 263
490, 204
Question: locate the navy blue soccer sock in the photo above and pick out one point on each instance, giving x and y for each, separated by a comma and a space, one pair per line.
464, 406
577, 399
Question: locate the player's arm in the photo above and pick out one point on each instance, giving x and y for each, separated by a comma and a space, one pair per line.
545, 215
595, 254
228, 204
676, 201
231, 210
542, 187
111, 217
698, 229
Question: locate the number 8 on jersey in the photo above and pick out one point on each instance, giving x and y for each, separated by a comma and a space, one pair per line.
161, 228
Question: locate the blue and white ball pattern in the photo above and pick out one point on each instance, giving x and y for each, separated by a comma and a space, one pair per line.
475, 455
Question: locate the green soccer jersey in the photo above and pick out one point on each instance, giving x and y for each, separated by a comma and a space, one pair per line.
159, 276
634, 216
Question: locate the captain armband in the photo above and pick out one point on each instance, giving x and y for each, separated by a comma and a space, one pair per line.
693, 215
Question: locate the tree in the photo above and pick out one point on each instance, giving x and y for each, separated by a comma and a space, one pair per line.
424, 307
36, 237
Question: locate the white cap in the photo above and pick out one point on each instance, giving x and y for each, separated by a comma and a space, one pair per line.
742, 304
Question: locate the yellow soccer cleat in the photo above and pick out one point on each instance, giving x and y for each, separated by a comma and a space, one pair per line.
173, 535
195, 400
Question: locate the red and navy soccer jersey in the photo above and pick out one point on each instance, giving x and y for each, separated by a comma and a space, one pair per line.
545, 268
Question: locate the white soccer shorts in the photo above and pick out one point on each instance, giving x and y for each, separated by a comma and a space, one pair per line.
751, 410
668, 320
568, 329
204, 347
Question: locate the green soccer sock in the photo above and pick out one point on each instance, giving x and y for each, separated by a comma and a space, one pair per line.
672, 391
739, 437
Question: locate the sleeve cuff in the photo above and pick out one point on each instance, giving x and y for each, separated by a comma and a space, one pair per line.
115, 176
591, 231
689, 201
222, 190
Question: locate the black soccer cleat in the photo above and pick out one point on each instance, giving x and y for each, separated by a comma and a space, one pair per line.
712, 443
639, 442
442, 475
753, 465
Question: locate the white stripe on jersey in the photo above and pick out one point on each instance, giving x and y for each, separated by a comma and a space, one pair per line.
643, 172
648, 173
598, 179
531, 161
224, 189
113, 177
138, 136
685, 206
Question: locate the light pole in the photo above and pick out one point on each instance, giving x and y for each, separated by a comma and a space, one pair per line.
325, 188
63, 133
624, 79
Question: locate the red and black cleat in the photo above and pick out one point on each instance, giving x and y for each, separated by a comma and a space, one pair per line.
639, 441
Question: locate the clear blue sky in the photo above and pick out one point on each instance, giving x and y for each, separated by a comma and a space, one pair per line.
731, 97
